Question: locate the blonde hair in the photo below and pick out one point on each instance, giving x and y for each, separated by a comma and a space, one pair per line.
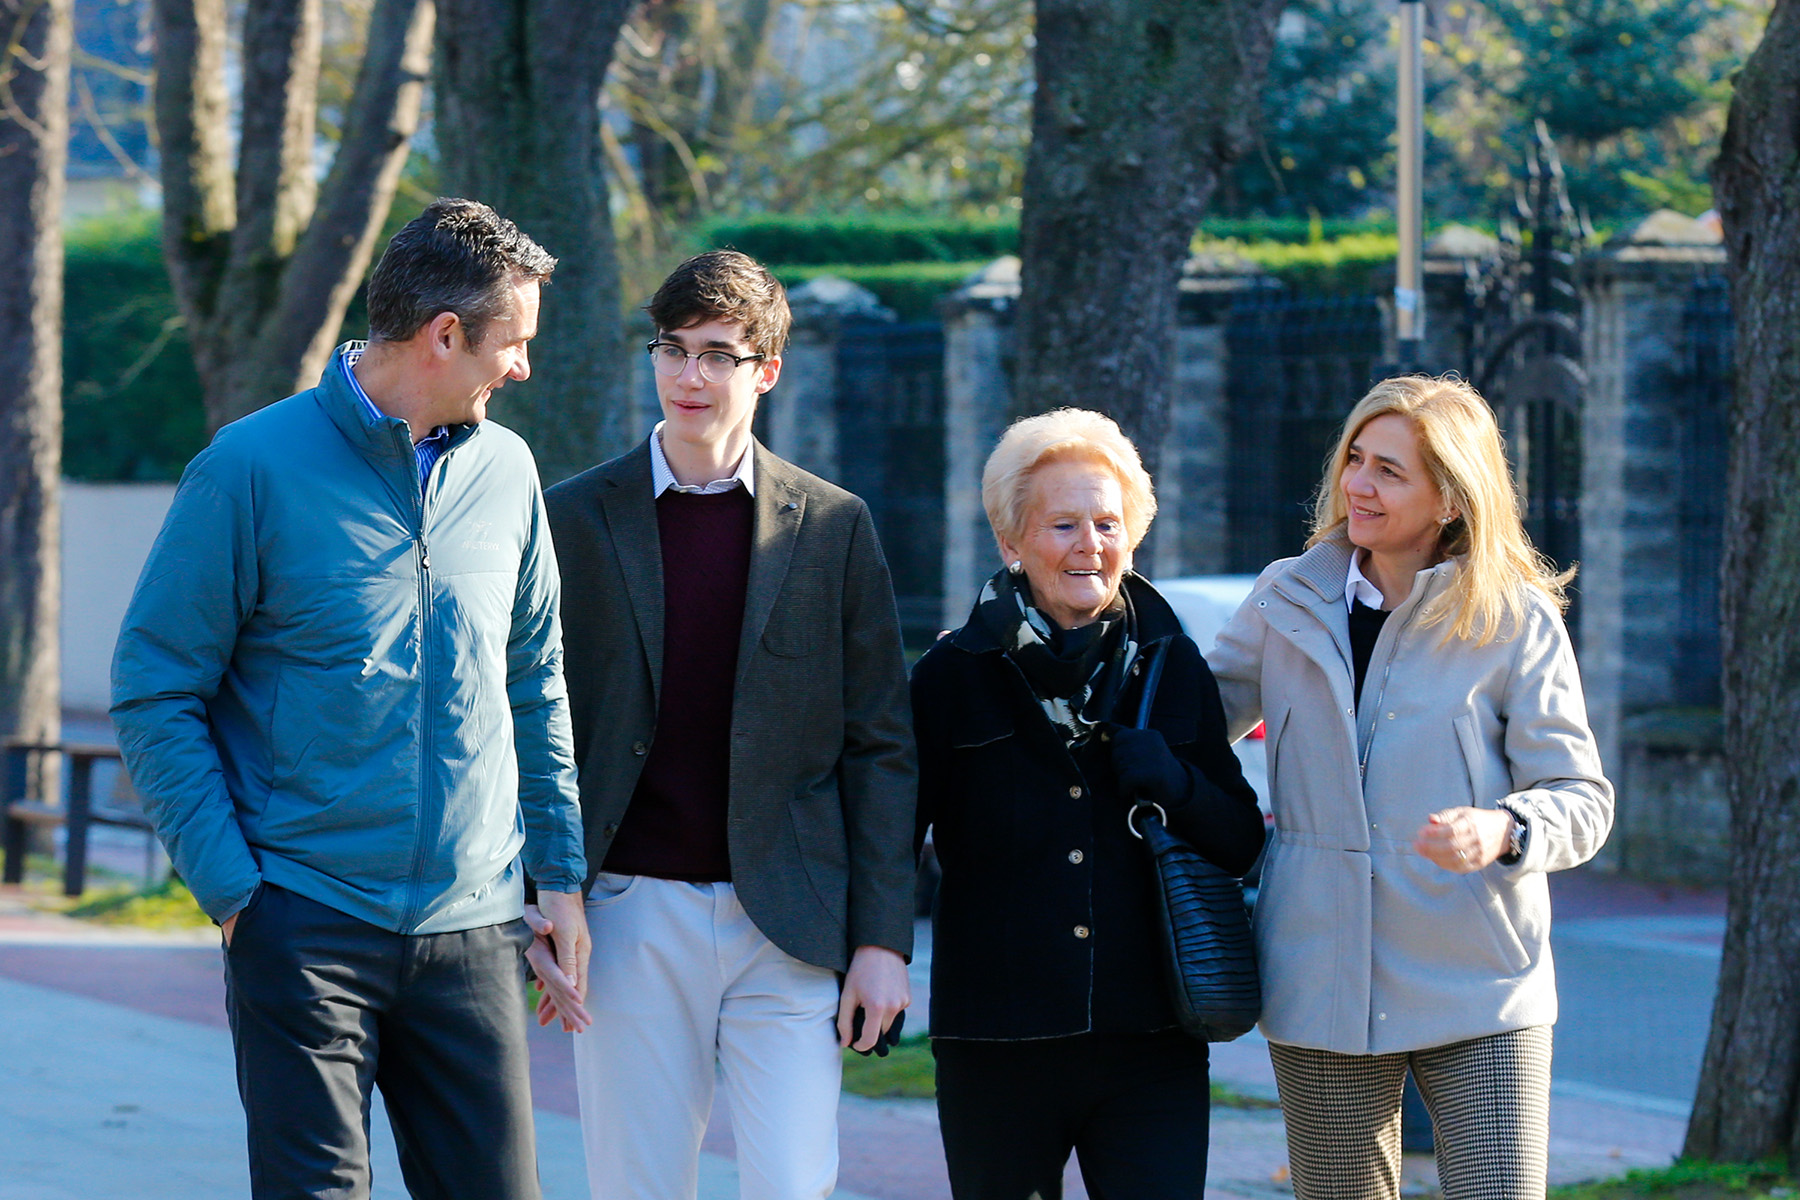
1466, 458
1063, 435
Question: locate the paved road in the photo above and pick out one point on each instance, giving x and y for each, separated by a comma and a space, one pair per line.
1636, 969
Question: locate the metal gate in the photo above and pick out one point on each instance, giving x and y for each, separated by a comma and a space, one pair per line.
1702, 458
890, 413
1523, 339
1296, 365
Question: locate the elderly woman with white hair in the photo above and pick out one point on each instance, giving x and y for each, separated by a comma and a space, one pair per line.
1050, 1015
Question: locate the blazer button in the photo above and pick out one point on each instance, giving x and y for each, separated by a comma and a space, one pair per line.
639, 749
1076, 856
1075, 793
1082, 931
609, 829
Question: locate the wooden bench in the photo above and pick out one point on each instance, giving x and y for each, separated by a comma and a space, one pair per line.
24, 812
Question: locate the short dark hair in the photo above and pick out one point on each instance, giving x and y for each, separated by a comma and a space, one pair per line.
725, 285
458, 256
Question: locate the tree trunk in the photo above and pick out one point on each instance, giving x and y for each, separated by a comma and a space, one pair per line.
34, 144
1140, 105
264, 259
518, 122
1749, 1091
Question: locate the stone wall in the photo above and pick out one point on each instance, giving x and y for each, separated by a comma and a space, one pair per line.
1635, 298
1674, 821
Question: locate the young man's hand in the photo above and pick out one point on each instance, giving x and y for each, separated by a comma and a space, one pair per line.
559, 957
876, 983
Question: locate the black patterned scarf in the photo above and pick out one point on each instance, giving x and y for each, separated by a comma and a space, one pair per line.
1075, 673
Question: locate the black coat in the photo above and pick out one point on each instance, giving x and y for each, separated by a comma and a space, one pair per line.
1045, 924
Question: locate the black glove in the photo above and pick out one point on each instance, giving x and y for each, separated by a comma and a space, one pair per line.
1145, 767
889, 1037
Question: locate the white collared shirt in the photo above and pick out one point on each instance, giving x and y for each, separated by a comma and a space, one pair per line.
1357, 586
662, 478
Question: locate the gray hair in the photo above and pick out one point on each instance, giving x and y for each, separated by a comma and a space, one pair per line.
458, 256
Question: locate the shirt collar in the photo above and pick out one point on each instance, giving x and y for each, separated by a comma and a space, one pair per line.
1357, 585
348, 359
662, 478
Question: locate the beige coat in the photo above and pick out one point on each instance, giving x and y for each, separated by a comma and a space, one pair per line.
1367, 947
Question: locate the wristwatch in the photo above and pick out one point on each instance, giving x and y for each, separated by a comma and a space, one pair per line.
1518, 835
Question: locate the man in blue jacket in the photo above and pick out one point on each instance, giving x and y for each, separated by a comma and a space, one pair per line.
338, 689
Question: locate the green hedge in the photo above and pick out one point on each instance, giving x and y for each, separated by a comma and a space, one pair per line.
861, 240
1350, 265
820, 240
911, 289
131, 400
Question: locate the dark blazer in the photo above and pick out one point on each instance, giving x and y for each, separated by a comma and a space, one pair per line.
822, 764
1046, 917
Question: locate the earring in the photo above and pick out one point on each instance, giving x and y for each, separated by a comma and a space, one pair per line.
1015, 567
1445, 520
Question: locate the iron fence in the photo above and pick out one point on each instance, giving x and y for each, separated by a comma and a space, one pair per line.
890, 411
1296, 365
1702, 454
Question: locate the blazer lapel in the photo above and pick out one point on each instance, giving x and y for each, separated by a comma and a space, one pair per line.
780, 507
631, 518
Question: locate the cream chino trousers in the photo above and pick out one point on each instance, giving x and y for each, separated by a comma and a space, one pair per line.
685, 990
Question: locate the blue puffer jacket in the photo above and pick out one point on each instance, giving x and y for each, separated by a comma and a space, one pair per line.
330, 682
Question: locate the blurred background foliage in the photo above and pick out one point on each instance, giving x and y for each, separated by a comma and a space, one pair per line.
884, 141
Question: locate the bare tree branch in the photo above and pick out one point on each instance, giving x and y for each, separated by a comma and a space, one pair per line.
335, 251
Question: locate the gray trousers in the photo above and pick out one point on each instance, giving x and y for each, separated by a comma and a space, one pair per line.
324, 1008
1490, 1111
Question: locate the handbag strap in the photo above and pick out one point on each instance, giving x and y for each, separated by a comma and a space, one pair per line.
1153, 669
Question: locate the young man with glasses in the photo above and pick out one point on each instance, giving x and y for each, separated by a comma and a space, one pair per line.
746, 763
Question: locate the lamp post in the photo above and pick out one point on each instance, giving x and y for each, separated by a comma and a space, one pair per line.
1409, 333
1409, 274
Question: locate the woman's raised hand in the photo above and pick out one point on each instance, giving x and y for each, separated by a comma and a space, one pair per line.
1464, 839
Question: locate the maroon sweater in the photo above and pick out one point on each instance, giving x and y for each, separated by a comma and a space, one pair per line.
675, 827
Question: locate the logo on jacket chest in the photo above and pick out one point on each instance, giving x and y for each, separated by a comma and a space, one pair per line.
477, 533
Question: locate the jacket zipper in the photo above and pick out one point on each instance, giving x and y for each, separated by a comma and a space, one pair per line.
425, 679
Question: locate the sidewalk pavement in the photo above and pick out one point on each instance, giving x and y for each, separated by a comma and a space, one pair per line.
117, 1083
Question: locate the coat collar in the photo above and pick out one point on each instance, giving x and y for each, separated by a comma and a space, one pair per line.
780, 509
1156, 619
383, 439
1318, 576
630, 514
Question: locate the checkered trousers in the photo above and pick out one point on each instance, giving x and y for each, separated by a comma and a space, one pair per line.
1489, 1100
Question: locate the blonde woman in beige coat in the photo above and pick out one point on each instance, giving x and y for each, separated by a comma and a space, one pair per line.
1430, 763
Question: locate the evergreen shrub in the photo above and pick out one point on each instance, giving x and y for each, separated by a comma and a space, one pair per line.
793, 241
911, 289
132, 408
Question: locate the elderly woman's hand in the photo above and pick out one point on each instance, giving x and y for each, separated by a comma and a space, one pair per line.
1145, 766
1464, 839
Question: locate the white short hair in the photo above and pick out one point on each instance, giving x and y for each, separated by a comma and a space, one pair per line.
1062, 435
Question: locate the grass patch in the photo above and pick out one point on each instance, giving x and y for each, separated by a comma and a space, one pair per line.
1225, 1097
1689, 1180
907, 1073
167, 906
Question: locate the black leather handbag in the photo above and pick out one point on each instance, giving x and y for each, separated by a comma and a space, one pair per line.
1208, 953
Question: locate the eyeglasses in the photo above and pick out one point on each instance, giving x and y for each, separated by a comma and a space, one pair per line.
716, 366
